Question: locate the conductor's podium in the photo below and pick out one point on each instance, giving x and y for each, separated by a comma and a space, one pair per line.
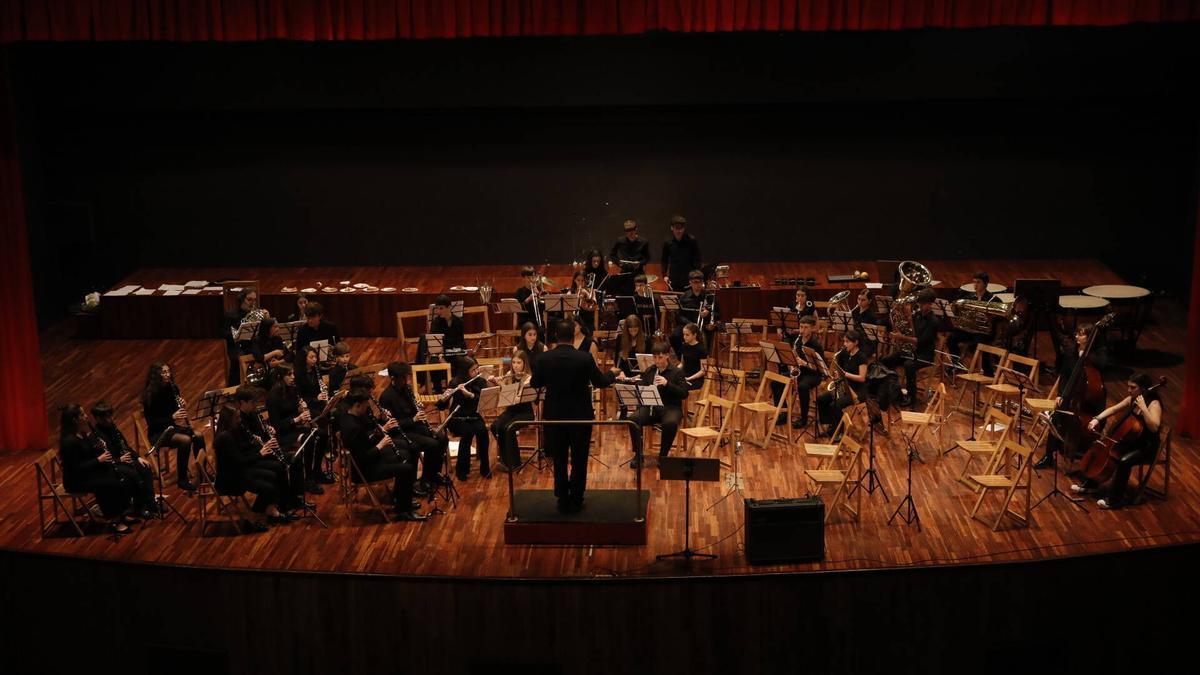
609, 517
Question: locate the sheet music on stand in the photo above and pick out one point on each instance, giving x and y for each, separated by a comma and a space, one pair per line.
507, 306
531, 395
815, 361
435, 344
210, 403
883, 305
770, 352
324, 350
786, 355
288, 330
738, 328
632, 396
644, 362
668, 301
787, 319
943, 308
489, 399
561, 303
841, 321
875, 333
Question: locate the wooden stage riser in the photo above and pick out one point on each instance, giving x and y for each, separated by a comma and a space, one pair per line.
374, 314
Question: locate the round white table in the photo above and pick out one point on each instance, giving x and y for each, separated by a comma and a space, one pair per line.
1116, 292
1006, 297
1081, 302
992, 288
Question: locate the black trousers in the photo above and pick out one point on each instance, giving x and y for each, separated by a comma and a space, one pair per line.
958, 338
403, 474
265, 484
468, 430
113, 493
509, 454
1120, 479
909, 364
287, 494
830, 409
667, 416
183, 451
141, 480
569, 444
431, 450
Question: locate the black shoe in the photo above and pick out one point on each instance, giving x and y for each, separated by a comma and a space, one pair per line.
254, 526
798, 424
442, 479
411, 516
462, 477
148, 513
1045, 462
634, 464
487, 475
576, 505
414, 505
326, 479
420, 488
312, 488
781, 419
185, 486
564, 504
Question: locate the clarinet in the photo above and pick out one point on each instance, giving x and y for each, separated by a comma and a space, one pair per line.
99, 444
417, 407
278, 452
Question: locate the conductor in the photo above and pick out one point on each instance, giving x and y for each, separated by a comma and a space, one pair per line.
565, 372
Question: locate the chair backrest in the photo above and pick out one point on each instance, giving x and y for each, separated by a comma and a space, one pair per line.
497, 362
46, 466
762, 324
993, 418
1024, 364
402, 339
725, 406
419, 368
482, 310
767, 378
1010, 450
849, 451
976, 364
937, 403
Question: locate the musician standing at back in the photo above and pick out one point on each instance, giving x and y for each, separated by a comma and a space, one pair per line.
630, 253
247, 308
681, 255
1142, 402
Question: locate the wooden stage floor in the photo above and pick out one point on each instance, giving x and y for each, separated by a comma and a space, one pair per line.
468, 541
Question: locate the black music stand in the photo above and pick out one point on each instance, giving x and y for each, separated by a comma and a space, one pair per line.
630, 397
1041, 297
309, 511
788, 320
688, 469
1054, 491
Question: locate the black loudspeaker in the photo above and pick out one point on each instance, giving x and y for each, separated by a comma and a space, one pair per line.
785, 530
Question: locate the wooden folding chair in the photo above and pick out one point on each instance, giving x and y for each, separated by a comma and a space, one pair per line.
358, 481
1016, 474
229, 505
142, 441
974, 378
828, 454
762, 412
740, 347
1004, 389
50, 489
713, 434
486, 335
983, 449
430, 368
850, 457
403, 342
1041, 405
929, 422
1146, 471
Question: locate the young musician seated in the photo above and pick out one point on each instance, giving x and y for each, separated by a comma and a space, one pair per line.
864, 312
805, 379
301, 303
375, 455
803, 306
316, 396
1143, 402
960, 338
341, 365
315, 327
160, 407
852, 363
447, 324
587, 298
510, 456
695, 304
925, 338
245, 464
88, 466
595, 265
583, 338
135, 470
292, 419
421, 441
291, 495
268, 347
462, 399
247, 305
692, 356
530, 344
631, 342
672, 388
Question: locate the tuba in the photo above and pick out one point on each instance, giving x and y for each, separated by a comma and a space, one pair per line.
976, 316
913, 277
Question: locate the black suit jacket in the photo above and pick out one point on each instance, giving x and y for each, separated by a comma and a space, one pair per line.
674, 392
566, 372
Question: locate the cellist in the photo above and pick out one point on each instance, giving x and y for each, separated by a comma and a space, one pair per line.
1143, 403
1068, 359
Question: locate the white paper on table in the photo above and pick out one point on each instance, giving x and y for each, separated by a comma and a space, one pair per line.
192, 291
212, 288
171, 287
172, 292
124, 290
144, 291
196, 284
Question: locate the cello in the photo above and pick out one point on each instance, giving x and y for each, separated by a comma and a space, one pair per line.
1083, 397
1100, 460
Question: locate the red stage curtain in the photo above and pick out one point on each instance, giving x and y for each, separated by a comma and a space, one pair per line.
222, 20
22, 403
1189, 409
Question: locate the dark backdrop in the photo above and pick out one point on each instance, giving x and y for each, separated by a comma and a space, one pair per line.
921, 144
